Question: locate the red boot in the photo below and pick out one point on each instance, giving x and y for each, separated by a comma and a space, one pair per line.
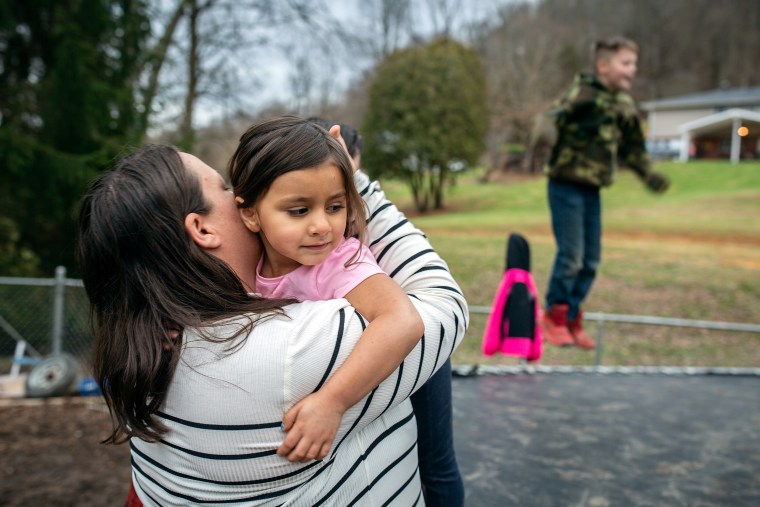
580, 338
554, 326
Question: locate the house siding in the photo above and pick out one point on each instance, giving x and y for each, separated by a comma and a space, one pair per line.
664, 124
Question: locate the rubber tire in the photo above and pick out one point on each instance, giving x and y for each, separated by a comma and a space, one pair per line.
53, 376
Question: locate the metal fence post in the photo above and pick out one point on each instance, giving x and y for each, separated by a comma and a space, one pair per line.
59, 290
599, 334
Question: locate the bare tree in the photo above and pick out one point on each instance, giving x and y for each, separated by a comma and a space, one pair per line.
213, 47
186, 132
302, 83
518, 55
443, 14
156, 57
531, 49
389, 20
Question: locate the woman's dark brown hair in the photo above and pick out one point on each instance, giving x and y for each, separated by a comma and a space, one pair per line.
277, 146
143, 274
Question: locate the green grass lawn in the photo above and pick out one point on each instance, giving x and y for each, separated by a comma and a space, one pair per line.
693, 253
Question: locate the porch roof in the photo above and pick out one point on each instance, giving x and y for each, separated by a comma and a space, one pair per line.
721, 122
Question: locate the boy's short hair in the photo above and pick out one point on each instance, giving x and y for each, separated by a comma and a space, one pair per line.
605, 48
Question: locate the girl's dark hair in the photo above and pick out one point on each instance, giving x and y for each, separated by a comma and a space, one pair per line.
143, 275
279, 145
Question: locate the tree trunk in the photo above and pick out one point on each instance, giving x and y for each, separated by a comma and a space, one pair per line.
156, 61
186, 132
437, 183
419, 192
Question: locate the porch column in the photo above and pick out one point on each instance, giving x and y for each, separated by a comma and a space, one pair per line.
684, 153
736, 141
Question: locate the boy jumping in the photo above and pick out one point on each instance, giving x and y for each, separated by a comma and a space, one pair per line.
591, 127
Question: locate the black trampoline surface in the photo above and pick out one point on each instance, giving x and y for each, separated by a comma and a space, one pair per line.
584, 439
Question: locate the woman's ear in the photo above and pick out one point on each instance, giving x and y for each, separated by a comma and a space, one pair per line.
201, 232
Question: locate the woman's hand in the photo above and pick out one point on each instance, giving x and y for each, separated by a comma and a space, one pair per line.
335, 132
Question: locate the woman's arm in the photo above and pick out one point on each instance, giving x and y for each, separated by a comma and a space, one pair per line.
406, 255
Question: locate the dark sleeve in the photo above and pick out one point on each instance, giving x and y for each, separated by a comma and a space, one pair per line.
632, 151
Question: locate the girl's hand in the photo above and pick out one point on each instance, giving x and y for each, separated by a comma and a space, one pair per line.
311, 426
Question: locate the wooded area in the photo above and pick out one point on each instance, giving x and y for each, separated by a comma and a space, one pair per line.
82, 79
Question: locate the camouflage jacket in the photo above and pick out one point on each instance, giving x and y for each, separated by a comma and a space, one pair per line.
595, 129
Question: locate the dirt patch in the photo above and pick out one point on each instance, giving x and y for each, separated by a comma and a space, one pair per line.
50, 455
696, 237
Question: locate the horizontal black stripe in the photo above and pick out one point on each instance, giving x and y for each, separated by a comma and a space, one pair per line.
449, 288
222, 483
400, 489
385, 434
454, 342
336, 349
385, 250
149, 495
419, 367
440, 346
362, 320
400, 370
410, 259
389, 231
356, 422
384, 473
430, 268
378, 210
218, 427
374, 188
464, 314
230, 457
264, 496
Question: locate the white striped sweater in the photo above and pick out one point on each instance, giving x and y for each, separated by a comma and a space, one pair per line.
224, 409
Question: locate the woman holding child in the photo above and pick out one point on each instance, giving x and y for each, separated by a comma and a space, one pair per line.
162, 247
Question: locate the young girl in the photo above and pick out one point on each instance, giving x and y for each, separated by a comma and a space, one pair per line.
294, 186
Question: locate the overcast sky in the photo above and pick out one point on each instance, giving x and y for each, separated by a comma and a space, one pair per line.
269, 74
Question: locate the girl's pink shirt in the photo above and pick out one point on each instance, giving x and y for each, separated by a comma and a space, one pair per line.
330, 279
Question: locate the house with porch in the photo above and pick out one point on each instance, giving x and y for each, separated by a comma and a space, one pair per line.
717, 124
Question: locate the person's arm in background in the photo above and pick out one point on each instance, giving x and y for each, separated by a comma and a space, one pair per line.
549, 125
632, 150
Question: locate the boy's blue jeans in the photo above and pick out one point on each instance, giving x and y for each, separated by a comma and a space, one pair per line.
577, 223
439, 471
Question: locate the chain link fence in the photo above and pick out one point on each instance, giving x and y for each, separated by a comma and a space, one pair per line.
41, 317
50, 316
